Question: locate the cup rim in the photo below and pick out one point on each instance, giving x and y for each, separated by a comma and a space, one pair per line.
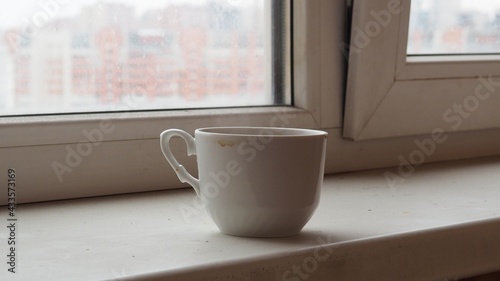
251, 131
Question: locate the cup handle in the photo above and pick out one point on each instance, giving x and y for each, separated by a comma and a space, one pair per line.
182, 173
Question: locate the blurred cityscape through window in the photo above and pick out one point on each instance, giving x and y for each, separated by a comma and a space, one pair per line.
454, 27
61, 56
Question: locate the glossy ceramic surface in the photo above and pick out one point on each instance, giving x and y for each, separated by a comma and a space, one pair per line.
255, 182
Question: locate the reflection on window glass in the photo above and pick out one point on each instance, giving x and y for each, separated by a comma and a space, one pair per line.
61, 56
454, 27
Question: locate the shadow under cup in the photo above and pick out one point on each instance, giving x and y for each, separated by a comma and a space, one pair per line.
260, 182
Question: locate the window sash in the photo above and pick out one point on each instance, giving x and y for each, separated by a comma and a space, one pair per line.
390, 96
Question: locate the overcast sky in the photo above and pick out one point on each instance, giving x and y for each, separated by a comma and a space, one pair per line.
14, 12
489, 7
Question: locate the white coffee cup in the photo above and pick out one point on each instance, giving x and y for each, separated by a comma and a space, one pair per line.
255, 181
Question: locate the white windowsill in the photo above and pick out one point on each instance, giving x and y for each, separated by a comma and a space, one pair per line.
441, 223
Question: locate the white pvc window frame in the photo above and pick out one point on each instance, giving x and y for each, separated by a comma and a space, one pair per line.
392, 95
129, 157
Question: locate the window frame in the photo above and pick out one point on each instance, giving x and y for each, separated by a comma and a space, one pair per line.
414, 96
130, 160
128, 157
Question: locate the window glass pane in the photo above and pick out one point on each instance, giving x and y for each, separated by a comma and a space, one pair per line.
454, 27
60, 56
